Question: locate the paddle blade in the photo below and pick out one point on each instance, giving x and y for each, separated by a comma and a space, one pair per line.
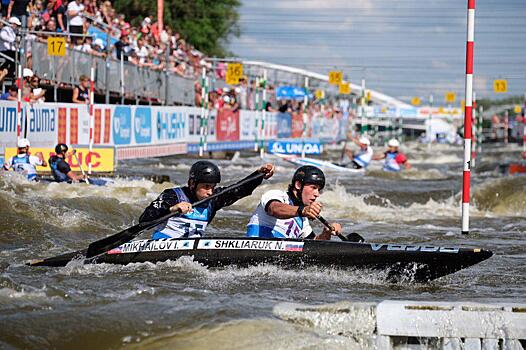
355, 237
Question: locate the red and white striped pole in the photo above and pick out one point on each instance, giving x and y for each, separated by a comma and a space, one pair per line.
468, 114
20, 84
91, 116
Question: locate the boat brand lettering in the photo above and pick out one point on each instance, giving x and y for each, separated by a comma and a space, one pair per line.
249, 244
413, 248
153, 246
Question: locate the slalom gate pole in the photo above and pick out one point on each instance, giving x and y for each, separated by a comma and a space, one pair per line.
506, 126
468, 115
480, 135
263, 114
202, 123
19, 102
256, 105
363, 129
91, 115
429, 128
474, 132
305, 117
207, 112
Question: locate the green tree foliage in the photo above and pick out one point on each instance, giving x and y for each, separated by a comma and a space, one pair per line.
205, 24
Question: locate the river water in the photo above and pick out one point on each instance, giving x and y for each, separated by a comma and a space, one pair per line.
181, 304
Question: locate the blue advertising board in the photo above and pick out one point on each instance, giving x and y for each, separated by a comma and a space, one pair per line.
295, 147
122, 125
143, 125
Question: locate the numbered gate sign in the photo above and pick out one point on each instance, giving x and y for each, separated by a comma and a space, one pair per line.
56, 46
335, 77
517, 109
234, 72
345, 88
450, 97
415, 101
320, 94
500, 86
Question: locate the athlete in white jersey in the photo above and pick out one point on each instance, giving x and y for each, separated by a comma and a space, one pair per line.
363, 156
283, 214
25, 163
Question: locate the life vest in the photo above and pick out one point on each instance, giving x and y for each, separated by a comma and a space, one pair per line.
393, 160
23, 165
363, 158
263, 225
192, 224
57, 174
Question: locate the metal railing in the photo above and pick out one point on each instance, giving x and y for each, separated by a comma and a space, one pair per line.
123, 77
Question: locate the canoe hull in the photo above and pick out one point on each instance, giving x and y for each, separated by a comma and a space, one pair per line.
402, 262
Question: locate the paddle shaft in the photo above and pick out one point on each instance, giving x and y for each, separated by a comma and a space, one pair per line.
108, 243
352, 237
80, 166
330, 227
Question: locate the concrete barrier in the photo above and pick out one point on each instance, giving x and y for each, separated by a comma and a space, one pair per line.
416, 325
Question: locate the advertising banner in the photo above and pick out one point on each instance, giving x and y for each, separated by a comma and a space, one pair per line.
295, 147
284, 125
227, 125
102, 159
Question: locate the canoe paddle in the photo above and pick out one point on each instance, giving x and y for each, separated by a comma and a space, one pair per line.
80, 166
351, 237
108, 243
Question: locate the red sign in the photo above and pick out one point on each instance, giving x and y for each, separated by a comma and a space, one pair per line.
227, 125
297, 125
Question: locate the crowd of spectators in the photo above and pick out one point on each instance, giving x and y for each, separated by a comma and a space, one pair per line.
87, 24
144, 45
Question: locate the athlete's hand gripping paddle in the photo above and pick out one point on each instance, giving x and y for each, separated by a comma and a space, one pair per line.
351, 237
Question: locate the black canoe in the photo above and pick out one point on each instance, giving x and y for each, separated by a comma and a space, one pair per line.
401, 261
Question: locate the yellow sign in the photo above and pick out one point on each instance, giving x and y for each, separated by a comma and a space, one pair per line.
234, 72
463, 104
450, 97
500, 86
102, 159
368, 95
415, 101
517, 109
335, 77
441, 110
56, 46
345, 88
320, 94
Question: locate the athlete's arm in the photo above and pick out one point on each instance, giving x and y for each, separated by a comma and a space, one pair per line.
379, 156
159, 207
281, 210
236, 194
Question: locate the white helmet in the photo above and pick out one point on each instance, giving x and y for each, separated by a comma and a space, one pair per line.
23, 143
393, 143
364, 141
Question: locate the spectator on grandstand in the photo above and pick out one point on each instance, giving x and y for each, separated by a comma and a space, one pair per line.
11, 94
123, 47
75, 20
81, 92
38, 94
18, 9
8, 44
60, 14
